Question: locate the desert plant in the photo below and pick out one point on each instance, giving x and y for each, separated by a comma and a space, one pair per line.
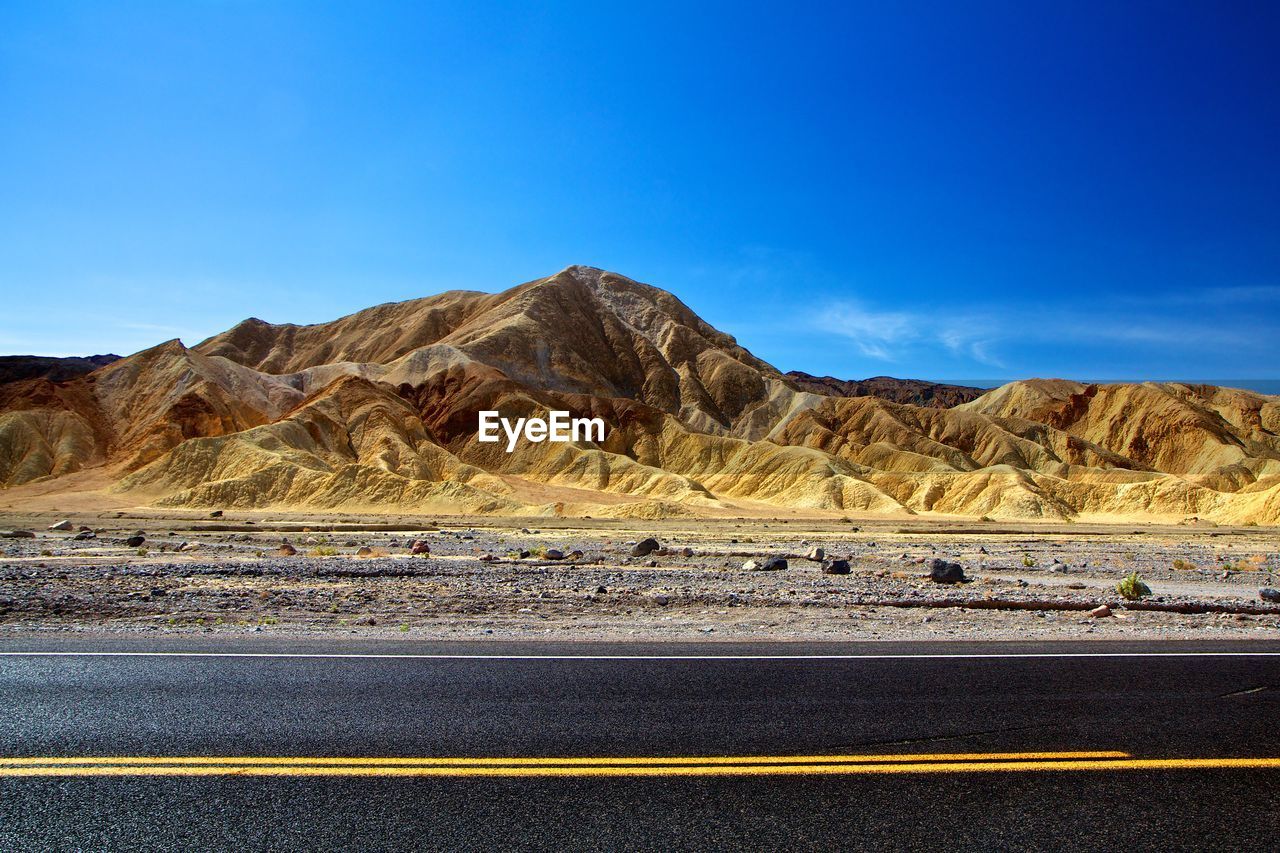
1028, 560
323, 551
1132, 588
1182, 565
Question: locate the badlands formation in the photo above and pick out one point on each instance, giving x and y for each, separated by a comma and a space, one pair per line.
378, 412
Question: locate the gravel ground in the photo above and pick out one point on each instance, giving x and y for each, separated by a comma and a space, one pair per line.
225, 575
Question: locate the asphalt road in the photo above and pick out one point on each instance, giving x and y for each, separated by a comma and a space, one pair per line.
1138, 714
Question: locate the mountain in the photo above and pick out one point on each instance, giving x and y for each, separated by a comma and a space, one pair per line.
913, 391
15, 368
378, 411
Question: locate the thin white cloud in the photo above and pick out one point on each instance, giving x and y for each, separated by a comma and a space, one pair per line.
892, 335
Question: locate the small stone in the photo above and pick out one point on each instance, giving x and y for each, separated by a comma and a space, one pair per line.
420, 546
816, 554
661, 600
19, 534
365, 551
84, 535
217, 513
686, 552
941, 571
645, 547
1100, 612
1269, 594
135, 541
286, 550
61, 525
765, 564
554, 554
836, 567
158, 592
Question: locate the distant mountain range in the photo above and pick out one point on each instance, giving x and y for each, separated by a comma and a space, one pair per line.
377, 411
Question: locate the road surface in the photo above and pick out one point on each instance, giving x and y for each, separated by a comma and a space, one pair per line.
262, 744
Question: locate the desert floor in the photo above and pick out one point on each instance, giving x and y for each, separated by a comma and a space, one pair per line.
195, 573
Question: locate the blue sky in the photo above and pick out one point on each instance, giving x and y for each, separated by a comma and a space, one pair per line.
913, 189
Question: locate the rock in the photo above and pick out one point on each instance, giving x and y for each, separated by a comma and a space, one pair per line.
661, 600
488, 558
19, 534
65, 524
1059, 568
365, 551
982, 550
554, 554
135, 541
420, 546
217, 513
835, 567
311, 540
940, 571
1269, 594
765, 564
286, 550
645, 547
158, 592
1100, 612
816, 554
84, 535
686, 552
189, 546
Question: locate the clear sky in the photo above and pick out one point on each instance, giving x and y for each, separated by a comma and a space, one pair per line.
914, 189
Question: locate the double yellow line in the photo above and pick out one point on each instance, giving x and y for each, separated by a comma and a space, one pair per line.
755, 765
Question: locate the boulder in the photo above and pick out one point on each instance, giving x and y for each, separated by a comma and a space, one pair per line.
18, 534
217, 513
65, 524
365, 551
645, 547
554, 554
135, 541
286, 550
835, 567
84, 535
1269, 594
941, 571
816, 554
686, 552
1100, 612
765, 564
420, 546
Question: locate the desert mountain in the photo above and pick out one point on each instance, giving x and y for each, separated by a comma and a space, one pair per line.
378, 411
15, 368
913, 391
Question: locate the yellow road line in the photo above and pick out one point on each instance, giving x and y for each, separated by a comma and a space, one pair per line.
514, 761
649, 771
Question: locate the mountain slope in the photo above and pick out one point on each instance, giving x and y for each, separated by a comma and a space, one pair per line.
378, 410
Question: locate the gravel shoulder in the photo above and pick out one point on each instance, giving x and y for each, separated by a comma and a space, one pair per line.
485, 578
